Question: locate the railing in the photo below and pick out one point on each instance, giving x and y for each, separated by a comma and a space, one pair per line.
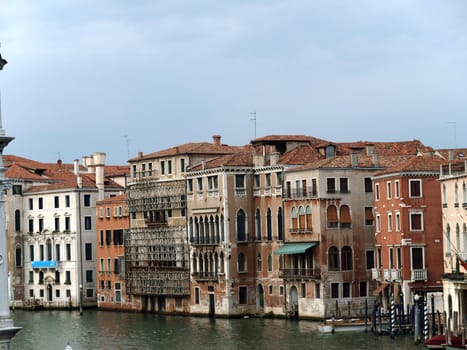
376, 274
205, 276
300, 273
419, 275
300, 230
387, 274
199, 241
240, 192
308, 192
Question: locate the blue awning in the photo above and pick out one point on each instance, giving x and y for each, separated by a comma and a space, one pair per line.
295, 248
48, 264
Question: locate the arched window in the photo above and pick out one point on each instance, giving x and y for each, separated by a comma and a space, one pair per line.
259, 263
201, 231
448, 240
309, 221
222, 229
201, 264
206, 264
270, 263
216, 264
17, 220
212, 231
280, 221
444, 194
346, 258
258, 224
241, 262
345, 216
217, 229
221, 263
456, 194
269, 225
195, 264
332, 216
301, 219
294, 217
333, 256
241, 225
190, 229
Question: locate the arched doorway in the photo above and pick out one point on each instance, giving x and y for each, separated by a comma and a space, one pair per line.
293, 307
260, 303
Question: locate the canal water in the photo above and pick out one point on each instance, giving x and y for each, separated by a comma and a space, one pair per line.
101, 330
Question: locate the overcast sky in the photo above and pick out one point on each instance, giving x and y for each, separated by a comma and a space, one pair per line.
127, 76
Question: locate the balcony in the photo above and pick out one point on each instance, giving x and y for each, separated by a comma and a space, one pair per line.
376, 274
240, 192
205, 276
300, 193
419, 275
300, 273
396, 274
203, 242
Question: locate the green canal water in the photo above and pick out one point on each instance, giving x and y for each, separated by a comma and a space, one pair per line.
100, 330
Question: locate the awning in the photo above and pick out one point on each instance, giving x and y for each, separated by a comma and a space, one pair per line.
380, 288
294, 248
49, 264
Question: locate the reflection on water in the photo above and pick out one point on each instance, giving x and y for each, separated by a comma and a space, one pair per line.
96, 330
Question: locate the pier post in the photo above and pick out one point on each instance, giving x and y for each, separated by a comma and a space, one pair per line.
425, 319
366, 314
433, 321
416, 298
392, 322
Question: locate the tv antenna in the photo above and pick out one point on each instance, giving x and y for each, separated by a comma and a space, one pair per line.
127, 145
253, 118
455, 132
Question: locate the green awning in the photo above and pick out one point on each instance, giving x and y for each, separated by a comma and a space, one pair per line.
294, 248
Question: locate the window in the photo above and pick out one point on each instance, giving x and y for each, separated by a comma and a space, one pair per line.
241, 225
368, 216
240, 181
57, 277
399, 257
368, 184
334, 290
67, 201
89, 293
417, 258
196, 295
269, 225
281, 290
31, 252
67, 223
362, 286
31, 225
397, 190
41, 203
18, 257
269, 263
107, 212
169, 167
41, 252
344, 185
259, 263
309, 220
346, 258
49, 249
56, 202
415, 188
116, 266
89, 276
17, 220
190, 186
17, 189
102, 284
378, 223
108, 237
67, 277
317, 291
162, 167
68, 251
448, 240
41, 225
31, 204
88, 251
332, 216
370, 259
241, 262
333, 256
389, 190
416, 221
57, 224
389, 222
200, 184
118, 293
256, 181
377, 192
213, 182
280, 230
87, 222
398, 221
31, 277
87, 200
182, 165
242, 295
270, 289
345, 216
258, 224
57, 252
346, 290
294, 218
267, 180
150, 173
314, 188
303, 290
391, 257
331, 185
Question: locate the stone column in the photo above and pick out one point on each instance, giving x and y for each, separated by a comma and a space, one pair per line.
7, 330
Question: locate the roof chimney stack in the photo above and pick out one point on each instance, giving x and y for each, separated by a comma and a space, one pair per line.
216, 139
99, 162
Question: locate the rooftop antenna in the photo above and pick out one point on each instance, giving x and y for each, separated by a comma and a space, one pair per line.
127, 145
455, 132
253, 118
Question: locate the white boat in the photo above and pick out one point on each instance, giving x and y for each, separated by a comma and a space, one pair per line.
343, 325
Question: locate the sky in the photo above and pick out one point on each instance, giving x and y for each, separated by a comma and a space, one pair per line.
122, 76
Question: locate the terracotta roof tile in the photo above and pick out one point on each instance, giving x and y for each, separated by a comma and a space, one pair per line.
289, 138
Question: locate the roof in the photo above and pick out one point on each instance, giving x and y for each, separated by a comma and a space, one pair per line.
287, 138
421, 163
115, 199
244, 158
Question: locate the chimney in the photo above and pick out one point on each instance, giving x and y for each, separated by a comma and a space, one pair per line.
354, 159
274, 158
216, 139
451, 154
99, 162
76, 166
88, 164
140, 154
375, 160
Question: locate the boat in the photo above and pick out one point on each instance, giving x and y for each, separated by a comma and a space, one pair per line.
343, 325
439, 342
